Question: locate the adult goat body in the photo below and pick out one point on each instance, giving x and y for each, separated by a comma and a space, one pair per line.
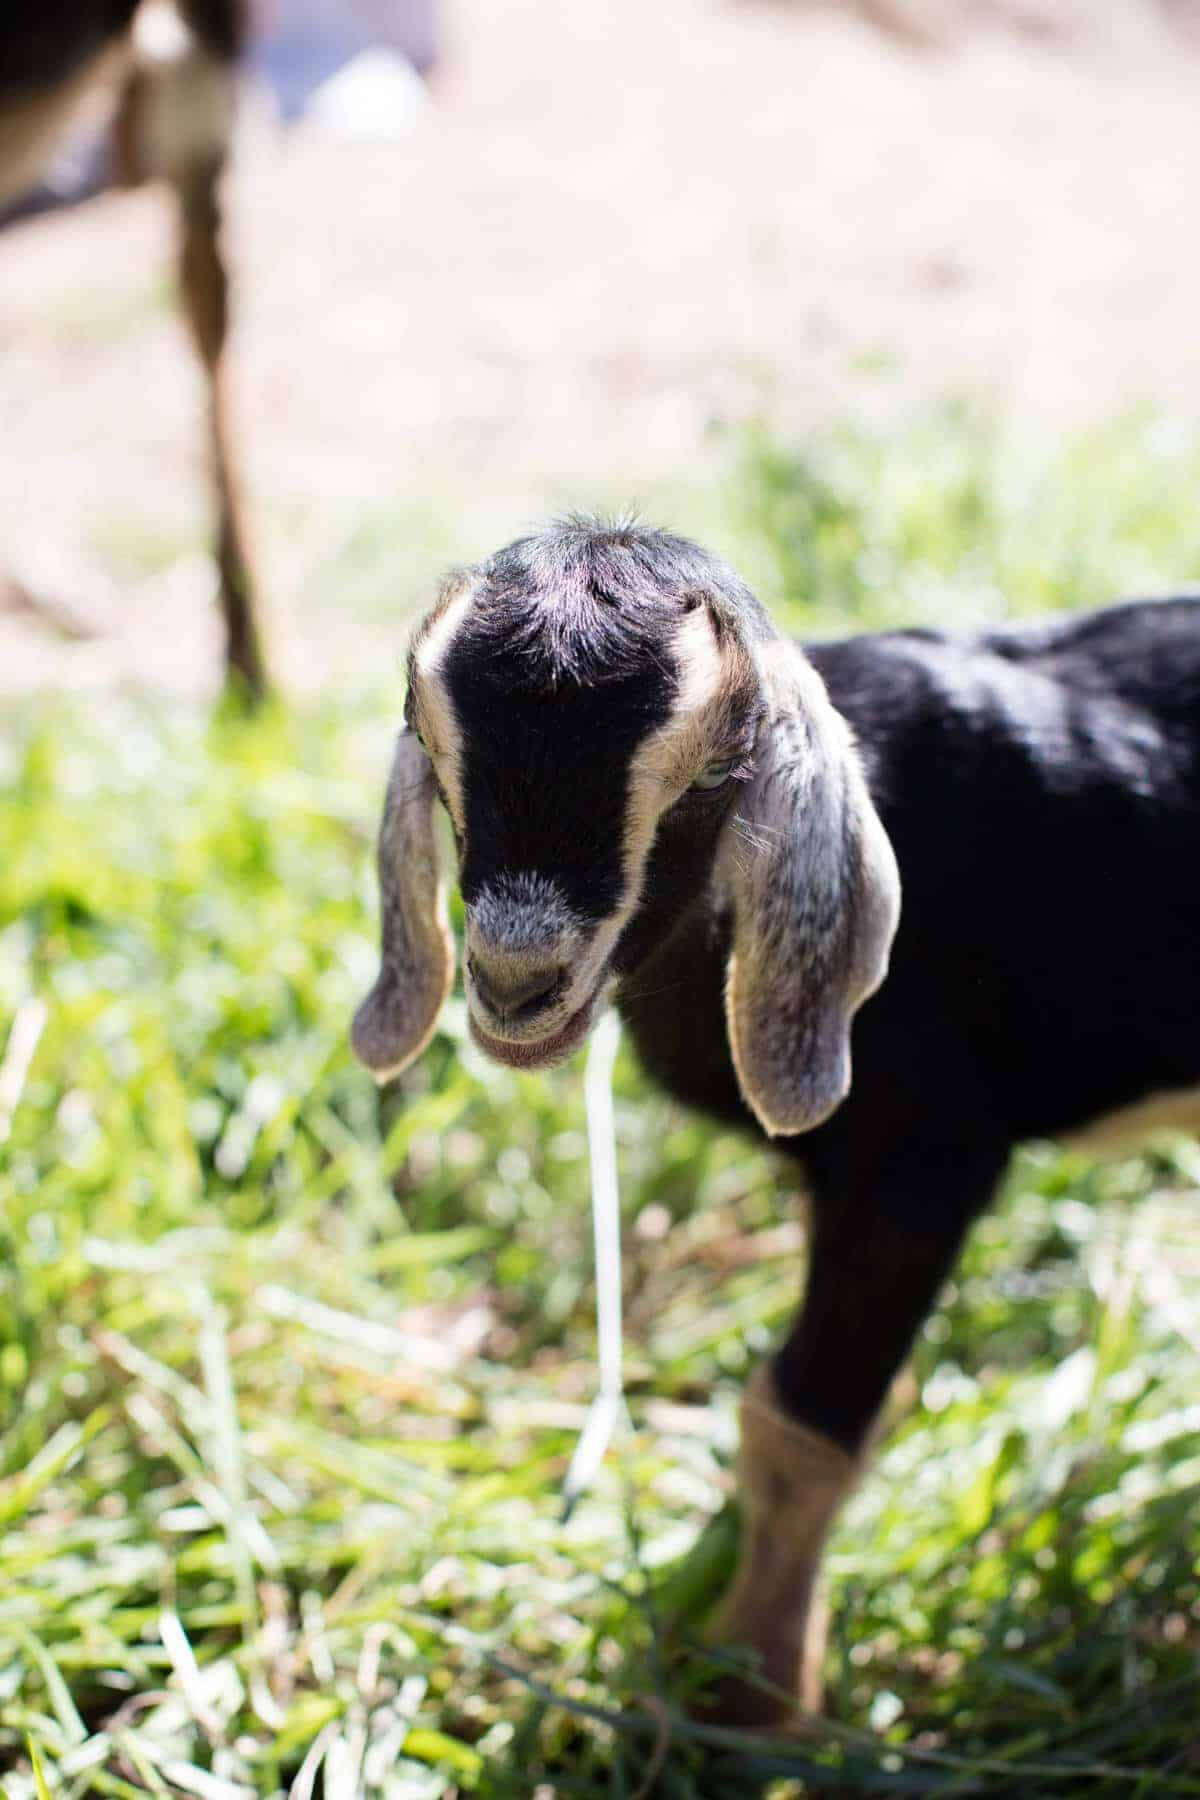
171, 70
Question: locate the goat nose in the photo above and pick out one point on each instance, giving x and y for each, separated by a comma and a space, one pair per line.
515, 997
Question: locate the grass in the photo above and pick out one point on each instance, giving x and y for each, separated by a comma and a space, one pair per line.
290, 1371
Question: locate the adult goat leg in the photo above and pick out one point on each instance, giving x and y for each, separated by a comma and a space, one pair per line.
205, 288
176, 120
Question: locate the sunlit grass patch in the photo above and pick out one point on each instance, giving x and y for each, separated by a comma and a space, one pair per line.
953, 518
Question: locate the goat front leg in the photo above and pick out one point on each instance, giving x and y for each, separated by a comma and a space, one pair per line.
878, 1256
176, 120
205, 287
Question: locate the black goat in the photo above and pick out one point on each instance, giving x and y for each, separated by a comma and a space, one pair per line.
657, 797
174, 118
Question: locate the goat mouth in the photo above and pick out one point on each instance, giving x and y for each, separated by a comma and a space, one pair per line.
537, 1053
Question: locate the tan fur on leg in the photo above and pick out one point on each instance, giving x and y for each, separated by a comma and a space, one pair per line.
792, 1482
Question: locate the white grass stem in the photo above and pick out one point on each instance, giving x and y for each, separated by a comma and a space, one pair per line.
608, 1404
28, 1024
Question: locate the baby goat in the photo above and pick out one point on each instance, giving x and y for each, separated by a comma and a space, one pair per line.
659, 799
175, 119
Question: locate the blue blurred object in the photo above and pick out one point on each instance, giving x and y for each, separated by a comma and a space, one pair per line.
300, 45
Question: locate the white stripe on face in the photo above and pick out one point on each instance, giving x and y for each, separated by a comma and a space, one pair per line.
665, 765
435, 709
672, 757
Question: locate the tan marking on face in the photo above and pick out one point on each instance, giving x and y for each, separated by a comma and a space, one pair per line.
434, 708
672, 757
662, 769
676, 752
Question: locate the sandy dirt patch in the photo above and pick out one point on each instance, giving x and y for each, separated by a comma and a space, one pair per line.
616, 226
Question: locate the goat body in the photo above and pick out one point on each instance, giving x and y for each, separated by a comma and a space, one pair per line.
656, 797
174, 117
52, 58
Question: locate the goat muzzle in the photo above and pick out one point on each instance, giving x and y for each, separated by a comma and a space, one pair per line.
529, 1052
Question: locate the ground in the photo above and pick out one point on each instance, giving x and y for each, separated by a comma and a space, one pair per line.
617, 229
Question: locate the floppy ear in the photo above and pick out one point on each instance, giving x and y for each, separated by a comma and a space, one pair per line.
816, 899
396, 1020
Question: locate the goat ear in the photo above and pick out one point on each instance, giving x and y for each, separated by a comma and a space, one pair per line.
816, 899
396, 1020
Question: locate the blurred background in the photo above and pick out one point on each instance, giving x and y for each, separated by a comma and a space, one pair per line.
894, 303
608, 236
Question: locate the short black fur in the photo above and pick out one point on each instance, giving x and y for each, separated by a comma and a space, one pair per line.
1041, 789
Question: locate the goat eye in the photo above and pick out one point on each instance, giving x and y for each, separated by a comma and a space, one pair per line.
716, 774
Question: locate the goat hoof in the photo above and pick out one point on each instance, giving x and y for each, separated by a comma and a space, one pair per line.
791, 1689
740, 1704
